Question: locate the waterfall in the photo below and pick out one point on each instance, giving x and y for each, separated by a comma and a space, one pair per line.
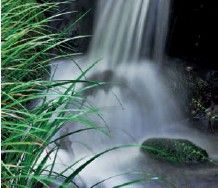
127, 29
137, 103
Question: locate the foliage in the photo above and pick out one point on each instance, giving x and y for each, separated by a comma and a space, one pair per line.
33, 108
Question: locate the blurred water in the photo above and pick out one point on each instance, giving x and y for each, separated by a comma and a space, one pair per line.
138, 106
137, 103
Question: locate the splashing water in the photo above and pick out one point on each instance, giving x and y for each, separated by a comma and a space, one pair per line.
138, 102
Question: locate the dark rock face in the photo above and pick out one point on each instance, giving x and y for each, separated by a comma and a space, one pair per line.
175, 150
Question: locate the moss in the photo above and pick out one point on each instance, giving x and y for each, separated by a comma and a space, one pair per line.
175, 150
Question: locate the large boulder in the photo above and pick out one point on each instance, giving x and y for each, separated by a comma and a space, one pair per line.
175, 150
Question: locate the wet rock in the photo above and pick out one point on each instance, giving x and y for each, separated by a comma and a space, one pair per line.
105, 76
179, 151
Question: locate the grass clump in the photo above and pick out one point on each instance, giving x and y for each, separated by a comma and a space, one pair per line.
28, 45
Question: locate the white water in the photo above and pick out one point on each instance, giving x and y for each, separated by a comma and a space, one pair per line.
126, 29
138, 102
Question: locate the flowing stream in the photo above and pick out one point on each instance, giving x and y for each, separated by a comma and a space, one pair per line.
137, 103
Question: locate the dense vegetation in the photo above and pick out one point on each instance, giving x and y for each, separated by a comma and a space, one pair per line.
29, 100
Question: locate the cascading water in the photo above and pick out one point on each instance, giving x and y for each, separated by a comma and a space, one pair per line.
139, 100
119, 30
126, 29
137, 103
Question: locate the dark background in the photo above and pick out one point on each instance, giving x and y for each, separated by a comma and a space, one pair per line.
193, 32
